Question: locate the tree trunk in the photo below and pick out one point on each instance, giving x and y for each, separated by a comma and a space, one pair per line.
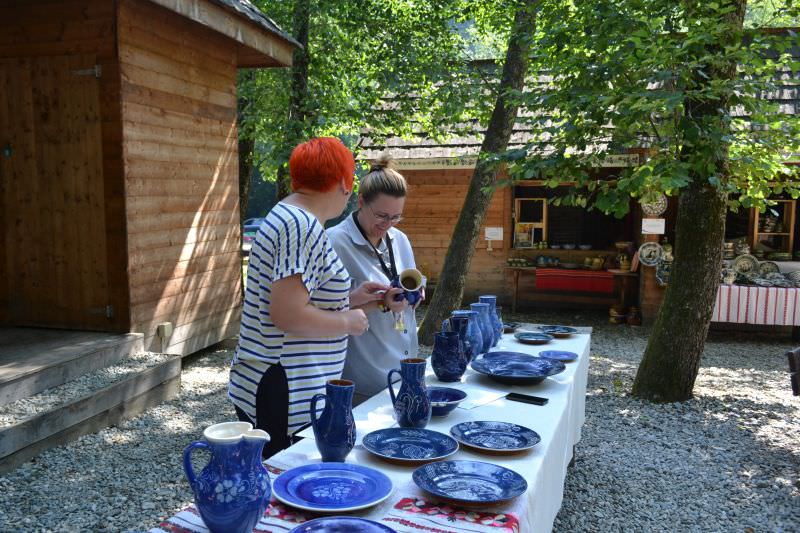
450, 286
672, 359
298, 99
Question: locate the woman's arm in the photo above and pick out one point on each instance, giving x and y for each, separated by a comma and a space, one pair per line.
291, 311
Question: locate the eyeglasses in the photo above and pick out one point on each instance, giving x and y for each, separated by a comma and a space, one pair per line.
386, 219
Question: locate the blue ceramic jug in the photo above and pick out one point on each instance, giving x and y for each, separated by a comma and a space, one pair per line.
497, 325
474, 335
412, 407
487, 331
460, 324
232, 492
335, 429
448, 359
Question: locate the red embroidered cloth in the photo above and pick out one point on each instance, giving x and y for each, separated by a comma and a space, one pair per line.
561, 279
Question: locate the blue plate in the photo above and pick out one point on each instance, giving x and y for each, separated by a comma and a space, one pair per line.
558, 355
341, 524
327, 487
517, 368
558, 331
470, 481
510, 327
495, 436
444, 399
531, 337
410, 446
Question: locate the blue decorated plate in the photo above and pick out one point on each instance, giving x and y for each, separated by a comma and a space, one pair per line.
531, 337
341, 524
517, 368
558, 355
410, 446
495, 436
559, 332
327, 487
470, 481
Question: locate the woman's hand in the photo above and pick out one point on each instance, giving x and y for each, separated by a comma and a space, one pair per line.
366, 293
356, 322
398, 306
421, 297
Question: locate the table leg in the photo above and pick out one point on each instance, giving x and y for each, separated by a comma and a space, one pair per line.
796, 333
514, 296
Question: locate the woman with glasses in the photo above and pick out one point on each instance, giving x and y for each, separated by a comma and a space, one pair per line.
300, 305
373, 249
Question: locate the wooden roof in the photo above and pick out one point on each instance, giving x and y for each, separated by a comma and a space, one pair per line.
262, 43
467, 145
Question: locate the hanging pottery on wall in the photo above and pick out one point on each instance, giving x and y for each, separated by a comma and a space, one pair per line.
655, 206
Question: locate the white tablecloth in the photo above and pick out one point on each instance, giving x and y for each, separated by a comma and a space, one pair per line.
773, 306
545, 467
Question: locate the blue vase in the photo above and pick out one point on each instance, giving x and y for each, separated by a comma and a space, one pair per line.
448, 359
497, 325
232, 492
474, 335
335, 429
487, 330
412, 407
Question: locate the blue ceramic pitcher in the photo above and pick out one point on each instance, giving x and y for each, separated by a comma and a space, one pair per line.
448, 359
232, 492
335, 429
460, 325
412, 407
487, 330
474, 337
497, 325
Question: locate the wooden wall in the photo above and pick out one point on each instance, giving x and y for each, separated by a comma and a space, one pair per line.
181, 176
432, 207
65, 201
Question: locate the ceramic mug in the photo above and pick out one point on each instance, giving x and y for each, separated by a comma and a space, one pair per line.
411, 281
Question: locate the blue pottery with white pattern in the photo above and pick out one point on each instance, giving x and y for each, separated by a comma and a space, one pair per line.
412, 407
233, 490
474, 337
448, 359
494, 320
485, 323
335, 429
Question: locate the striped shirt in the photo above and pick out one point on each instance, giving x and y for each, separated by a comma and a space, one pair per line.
290, 241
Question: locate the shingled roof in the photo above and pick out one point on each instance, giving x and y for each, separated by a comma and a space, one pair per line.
786, 95
246, 9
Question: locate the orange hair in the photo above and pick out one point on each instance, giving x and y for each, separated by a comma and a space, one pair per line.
320, 164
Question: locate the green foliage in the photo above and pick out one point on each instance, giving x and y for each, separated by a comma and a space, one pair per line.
630, 74
395, 67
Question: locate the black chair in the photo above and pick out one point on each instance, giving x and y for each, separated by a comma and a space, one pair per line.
794, 370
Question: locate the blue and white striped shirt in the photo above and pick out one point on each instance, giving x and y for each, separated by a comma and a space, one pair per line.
290, 241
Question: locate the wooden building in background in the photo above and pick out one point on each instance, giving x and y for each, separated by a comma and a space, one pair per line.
119, 206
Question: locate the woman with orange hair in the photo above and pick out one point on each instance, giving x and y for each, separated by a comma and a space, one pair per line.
298, 307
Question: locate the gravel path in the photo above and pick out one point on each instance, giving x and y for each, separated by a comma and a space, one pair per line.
728, 460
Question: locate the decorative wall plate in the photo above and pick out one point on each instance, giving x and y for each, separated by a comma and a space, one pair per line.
745, 264
650, 253
768, 267
470, 481
657, 207
495, 436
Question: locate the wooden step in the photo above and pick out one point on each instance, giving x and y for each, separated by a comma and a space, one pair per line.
90, 413
35, 359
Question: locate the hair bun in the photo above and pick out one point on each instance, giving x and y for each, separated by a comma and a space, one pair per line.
384, 161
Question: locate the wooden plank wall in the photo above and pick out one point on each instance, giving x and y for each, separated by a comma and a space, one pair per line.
432, 207
80, 32
181, 175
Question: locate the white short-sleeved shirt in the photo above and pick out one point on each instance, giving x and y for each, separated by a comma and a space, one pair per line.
290, 241
370, 356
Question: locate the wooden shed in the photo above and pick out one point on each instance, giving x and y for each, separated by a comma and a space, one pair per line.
119, 206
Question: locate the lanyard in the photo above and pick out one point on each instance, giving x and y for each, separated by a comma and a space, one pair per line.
391, 270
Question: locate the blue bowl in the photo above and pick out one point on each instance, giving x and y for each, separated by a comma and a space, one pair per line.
444, 399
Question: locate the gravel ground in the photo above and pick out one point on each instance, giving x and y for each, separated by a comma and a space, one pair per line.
726, 461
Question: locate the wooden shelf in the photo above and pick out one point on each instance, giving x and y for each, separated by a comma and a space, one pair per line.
785, 233
784, 240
